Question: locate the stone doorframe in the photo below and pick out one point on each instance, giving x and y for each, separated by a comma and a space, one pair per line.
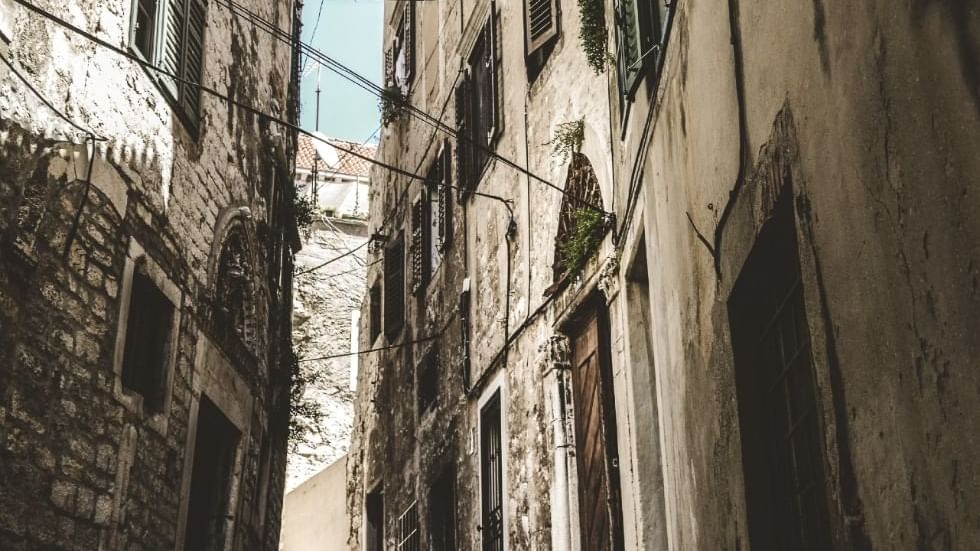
214, 377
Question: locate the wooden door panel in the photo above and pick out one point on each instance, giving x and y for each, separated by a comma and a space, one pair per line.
599, 508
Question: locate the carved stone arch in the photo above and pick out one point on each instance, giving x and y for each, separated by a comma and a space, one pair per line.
232, 277
581, 191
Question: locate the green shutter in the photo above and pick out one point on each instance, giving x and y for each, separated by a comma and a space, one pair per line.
193, 66
172, 45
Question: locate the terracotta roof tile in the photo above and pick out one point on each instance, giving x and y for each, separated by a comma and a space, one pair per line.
335, 159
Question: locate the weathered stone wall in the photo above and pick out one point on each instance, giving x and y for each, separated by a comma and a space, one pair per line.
323, 302
871, 111
80, 468
393, 443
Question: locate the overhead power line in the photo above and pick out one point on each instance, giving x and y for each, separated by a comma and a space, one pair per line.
210, 91
90, 134
334, 259
367, 85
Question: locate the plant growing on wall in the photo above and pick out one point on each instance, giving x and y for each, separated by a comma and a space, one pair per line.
393, 105
303, 412
592, 33
568, 139
587, 227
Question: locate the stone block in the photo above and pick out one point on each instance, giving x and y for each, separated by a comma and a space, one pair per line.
63, 495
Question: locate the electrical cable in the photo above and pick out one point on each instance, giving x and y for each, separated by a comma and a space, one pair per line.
432, 337
368, 85
90, 134
332, 260
210, 91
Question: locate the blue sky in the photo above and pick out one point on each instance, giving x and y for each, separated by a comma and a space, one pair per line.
349, 32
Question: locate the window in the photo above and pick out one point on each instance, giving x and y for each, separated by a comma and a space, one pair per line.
374, 514
491, 476
375, 305
408, 530
170, 35
431, 223
442, 512
477, 108
581, 189
421, 240
400, 58
441, 183
214, 455
394, 301
640, 36
782, 449
541, 28
428, 380
149, 332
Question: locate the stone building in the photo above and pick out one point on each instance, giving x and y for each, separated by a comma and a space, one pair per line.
328, 291
146, 246
745, 319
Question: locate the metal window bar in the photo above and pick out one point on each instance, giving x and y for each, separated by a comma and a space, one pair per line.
408, 529
491, 459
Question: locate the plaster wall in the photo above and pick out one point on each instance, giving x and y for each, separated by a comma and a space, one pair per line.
872, 111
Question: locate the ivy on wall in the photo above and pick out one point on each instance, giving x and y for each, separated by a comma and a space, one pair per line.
592, 33
575, 251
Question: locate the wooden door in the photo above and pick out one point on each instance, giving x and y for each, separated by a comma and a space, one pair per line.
600, 516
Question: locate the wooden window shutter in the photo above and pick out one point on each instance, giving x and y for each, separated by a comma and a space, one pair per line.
540, 23
418, 244
193, 66
172, 45
394, 286
408, 40
445, 198
492, 90
390, 66
464, 148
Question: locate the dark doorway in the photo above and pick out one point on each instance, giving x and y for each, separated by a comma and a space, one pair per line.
442, 511
374, 511
600, 512
781, 440
214, 459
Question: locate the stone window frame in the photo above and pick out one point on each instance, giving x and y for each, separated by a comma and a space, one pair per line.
495, 389
132, 400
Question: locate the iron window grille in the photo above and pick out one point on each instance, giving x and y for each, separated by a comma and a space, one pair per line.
491, 470
779, 420
408, 529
